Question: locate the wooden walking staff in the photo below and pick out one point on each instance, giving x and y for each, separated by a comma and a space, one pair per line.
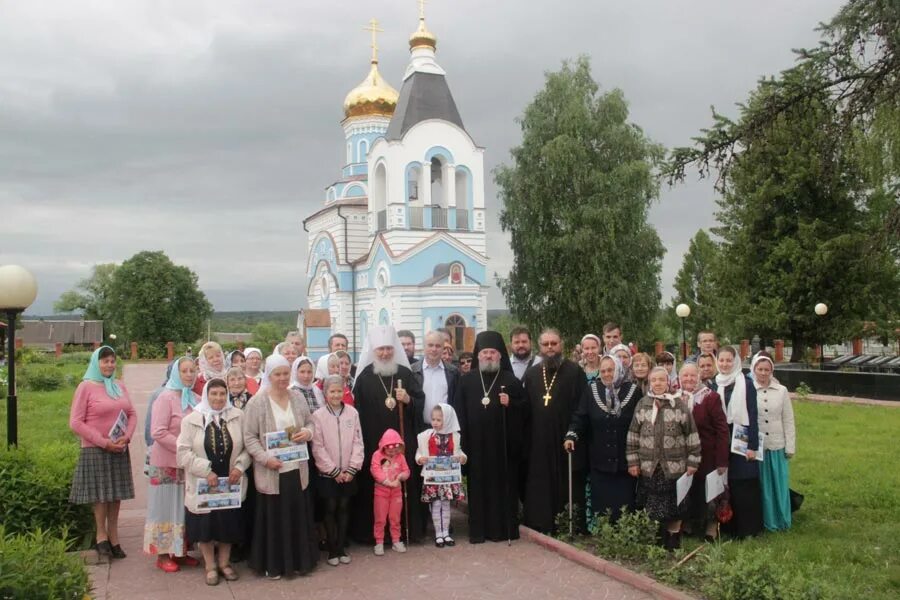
403, 483
571, 517
505, 467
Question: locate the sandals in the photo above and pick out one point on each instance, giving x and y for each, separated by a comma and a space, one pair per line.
229, 573
212, 577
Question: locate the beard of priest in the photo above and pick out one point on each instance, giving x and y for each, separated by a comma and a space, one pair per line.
382, 384
493, 483
553, 389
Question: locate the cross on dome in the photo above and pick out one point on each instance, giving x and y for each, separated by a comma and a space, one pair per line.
375, 29
373, 96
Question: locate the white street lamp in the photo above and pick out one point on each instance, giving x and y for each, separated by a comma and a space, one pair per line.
18, 289
683, 311
821, 309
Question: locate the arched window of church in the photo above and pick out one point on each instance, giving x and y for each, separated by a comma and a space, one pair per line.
384, 318
363, 150
456, 274
437, 183
349, 153
378, 196
457, 326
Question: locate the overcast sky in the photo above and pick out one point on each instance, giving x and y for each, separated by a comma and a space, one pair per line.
209, 129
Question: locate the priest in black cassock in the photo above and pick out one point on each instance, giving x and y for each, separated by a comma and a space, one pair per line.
492, 411
553, 389
383, 385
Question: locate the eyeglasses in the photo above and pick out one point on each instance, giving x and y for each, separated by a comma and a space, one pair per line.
465, 361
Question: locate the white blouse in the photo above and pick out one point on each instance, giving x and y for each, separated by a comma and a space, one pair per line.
776, 417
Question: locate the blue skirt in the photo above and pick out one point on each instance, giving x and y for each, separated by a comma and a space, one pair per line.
776, 498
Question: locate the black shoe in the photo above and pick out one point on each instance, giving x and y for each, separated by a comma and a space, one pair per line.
709, 539
439, 542
449, 541
104, 548
673, 541
117, 552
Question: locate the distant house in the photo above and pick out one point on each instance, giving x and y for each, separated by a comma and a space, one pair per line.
45, 333
231, 338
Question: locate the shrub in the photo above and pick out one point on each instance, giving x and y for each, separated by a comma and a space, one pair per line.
35, 565
31, 356
42, 378
803, 391
34, 486
755, 574
75, 358
629, 538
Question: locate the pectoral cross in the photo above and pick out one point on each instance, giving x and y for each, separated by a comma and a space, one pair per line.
547, 399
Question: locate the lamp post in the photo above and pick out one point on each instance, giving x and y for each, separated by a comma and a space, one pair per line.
683, 311
821, 309
18, 289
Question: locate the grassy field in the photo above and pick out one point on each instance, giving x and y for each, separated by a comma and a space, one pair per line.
847, 534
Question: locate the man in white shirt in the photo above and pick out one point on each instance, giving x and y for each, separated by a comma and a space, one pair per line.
521, 358
438, 378
612, 337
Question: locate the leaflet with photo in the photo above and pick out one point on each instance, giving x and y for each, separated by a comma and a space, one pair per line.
222, 496
715, 484
119, 428
439, 470
740, 439
280, 446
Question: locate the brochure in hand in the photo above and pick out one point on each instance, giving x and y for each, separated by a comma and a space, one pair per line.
741, 438
442, 470
119, 428
280, 446
222, 496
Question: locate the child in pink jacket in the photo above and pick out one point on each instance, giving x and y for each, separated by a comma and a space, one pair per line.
337, 446
389, 470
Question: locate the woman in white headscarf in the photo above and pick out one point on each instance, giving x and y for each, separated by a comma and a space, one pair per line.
284, 539
601, 422
739, 401
441, 440
303, 381
210, 447
252, 369
776, 423
211, 365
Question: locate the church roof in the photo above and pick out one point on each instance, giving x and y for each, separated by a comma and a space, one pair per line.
353, 201
423, 96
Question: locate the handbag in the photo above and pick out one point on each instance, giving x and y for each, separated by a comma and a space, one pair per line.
796, 500
724, 512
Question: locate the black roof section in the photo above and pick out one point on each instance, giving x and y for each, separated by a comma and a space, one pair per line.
423, 96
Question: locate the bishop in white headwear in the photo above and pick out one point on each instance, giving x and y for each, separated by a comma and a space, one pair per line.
385, 387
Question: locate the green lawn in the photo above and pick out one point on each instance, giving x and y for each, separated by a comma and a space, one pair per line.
847, 534
44, 416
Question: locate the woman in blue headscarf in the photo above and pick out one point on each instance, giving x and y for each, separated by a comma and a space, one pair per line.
164, 532
100, 407
601, 421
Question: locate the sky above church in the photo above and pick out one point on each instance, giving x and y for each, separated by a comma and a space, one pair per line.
210, 128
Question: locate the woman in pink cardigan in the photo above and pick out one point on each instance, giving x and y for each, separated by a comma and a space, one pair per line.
164, 533
103, 473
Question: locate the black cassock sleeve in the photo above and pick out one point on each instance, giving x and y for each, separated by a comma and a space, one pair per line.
580, 420
416, 404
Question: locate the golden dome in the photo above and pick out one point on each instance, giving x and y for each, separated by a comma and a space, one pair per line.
374, 96
421, 37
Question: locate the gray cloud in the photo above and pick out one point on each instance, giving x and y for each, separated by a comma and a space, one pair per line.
209, 129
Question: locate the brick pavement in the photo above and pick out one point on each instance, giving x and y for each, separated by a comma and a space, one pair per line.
491, 570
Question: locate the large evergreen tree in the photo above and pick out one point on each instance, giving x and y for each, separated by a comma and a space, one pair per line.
575, 204
695, 286
796, 223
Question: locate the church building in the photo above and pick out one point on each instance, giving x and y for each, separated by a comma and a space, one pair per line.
400, 237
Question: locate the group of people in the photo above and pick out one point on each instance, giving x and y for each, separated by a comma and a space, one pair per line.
634, 424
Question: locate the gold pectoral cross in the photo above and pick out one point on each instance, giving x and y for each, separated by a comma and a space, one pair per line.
547, 399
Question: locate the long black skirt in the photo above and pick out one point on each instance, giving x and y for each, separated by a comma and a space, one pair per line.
226, 526
284, 535
746, 503
610, 492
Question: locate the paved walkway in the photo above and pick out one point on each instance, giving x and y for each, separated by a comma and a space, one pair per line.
489, 570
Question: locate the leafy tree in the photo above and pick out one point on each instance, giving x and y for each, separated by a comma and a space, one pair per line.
91, 295
267, 334
575, 203
154, 300
695, 286
854, 72
796, 217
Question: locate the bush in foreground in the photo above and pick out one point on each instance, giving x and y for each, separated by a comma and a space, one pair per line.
34, 486
35, 566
